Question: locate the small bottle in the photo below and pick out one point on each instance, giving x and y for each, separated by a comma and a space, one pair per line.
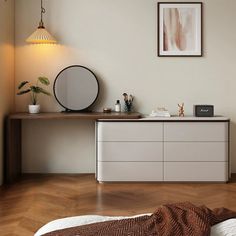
117, 106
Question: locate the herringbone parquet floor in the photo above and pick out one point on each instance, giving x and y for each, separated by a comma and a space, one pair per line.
36, 200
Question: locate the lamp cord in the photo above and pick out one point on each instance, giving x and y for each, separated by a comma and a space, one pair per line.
42, 12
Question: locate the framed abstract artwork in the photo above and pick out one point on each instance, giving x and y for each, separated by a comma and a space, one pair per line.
180, 29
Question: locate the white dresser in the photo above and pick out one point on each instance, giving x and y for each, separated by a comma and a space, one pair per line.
170, 149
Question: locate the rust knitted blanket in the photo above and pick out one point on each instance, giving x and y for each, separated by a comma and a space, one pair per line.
183, 219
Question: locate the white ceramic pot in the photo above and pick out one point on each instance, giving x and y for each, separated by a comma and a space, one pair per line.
34, 109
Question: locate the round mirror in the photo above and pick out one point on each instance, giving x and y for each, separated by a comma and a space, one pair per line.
76, 88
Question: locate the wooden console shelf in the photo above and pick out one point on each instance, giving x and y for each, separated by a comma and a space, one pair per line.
13, 143
78, 116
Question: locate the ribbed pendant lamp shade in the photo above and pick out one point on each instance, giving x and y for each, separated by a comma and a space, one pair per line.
41, 35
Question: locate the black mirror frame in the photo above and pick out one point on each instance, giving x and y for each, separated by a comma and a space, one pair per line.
54, 89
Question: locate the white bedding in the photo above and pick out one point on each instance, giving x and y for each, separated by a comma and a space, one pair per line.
226, 228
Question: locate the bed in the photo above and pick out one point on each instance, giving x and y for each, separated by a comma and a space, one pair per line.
226, 228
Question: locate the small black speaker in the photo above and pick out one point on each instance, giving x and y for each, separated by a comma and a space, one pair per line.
204, 110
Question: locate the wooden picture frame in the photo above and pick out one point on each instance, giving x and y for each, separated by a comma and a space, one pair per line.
180, 29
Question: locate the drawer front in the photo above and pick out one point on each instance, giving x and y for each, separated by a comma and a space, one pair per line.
196, 131
196, 151
196, 171
130, 171
130, 131
130, 151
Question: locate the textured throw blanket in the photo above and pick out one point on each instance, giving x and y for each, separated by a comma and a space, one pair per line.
183, 219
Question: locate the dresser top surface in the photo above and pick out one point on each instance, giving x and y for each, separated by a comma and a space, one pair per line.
176, 118
190, 118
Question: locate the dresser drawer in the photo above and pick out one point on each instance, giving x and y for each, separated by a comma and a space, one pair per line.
196, 131
130, 151
196, 151
196, 171
130, 171
130, 131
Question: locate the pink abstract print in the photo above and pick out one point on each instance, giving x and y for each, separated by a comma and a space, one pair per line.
179, 29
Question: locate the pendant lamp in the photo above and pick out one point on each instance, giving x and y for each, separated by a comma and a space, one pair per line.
41, 35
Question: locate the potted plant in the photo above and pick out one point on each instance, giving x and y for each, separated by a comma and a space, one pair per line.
34, 90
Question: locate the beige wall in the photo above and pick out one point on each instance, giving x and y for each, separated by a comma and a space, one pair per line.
6, 67
117, 40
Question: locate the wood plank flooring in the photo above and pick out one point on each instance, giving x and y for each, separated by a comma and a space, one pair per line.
35, 200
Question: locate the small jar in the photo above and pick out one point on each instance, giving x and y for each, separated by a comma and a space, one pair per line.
117, 106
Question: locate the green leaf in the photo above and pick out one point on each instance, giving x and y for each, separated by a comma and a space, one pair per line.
44, 91
22, 84
35, 89
44, 80
24, 92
